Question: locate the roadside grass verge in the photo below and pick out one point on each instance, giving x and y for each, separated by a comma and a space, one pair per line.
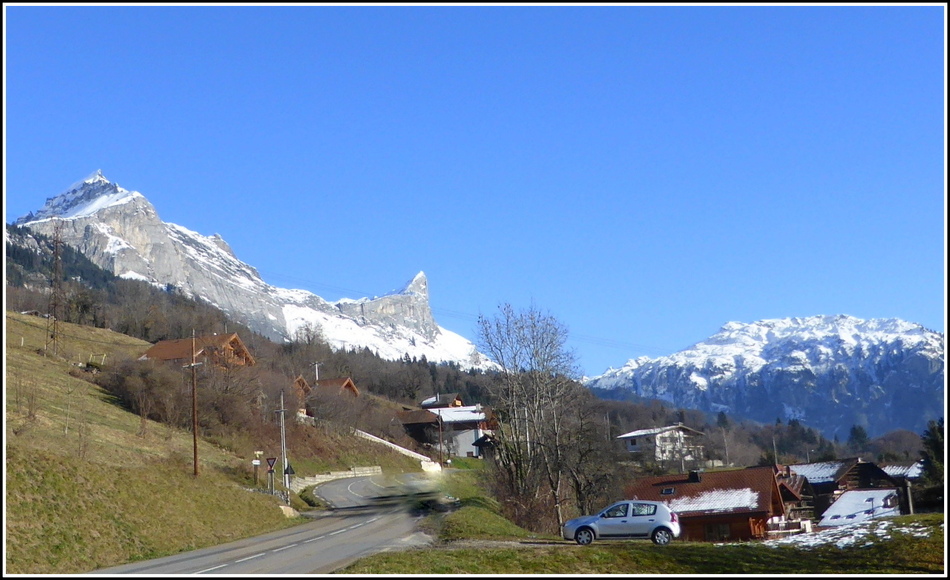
902, 554
912, 545
479, 516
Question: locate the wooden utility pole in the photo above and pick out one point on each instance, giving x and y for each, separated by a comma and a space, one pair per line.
194, 397
56, 296
283, 440
194, 400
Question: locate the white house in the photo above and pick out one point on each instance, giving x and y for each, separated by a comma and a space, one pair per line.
461, 427
670, 443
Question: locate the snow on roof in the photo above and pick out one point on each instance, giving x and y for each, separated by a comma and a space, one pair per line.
460, 414
823, 472
859, 505
653, 431
716, 500
903, 470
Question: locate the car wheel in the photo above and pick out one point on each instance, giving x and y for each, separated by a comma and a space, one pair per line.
584, 536
662, 536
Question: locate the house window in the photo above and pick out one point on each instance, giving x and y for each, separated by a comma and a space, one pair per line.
667, 491
717, 532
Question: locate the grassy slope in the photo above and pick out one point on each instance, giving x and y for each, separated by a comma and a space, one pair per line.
98, 493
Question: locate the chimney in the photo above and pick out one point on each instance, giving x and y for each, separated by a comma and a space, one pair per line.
695, 475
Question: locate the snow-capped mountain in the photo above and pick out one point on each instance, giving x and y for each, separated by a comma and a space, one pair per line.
120, 231
829, 372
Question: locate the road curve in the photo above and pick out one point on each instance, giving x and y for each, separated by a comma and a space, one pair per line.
369, 515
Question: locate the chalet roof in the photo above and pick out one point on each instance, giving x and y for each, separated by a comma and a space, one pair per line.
794, 482
417, 416
657, 430
181, 348
824, 471
341, 384
909, 470
750, 490
858, 505
441, 400
460, 414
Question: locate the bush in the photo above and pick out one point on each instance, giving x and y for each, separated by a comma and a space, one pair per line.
311, 500
298, 504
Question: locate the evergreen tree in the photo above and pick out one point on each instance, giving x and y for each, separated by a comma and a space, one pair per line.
858, 438
932, 454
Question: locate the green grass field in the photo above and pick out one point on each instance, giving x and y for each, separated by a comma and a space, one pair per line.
910, 545
900, 554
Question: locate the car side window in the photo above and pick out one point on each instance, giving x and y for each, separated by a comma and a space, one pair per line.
617, 511
643, 509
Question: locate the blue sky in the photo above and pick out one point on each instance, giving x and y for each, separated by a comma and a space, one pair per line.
644, 174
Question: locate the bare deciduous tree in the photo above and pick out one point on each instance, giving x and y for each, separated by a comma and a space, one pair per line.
535, 390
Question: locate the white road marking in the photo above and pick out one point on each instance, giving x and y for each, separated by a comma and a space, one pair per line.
284, 548
249, 558
210, 569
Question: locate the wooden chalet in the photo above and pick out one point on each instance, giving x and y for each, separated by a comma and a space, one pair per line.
420, 424
454, 428
218, 349
323, 387
718, 505
830, 479
442, 400
797, 493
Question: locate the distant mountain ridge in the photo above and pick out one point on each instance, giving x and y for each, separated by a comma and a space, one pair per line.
120, 231
829, 372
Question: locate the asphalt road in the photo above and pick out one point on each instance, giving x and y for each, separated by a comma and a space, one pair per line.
369, 515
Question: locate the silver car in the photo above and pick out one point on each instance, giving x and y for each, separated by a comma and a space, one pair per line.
626, 519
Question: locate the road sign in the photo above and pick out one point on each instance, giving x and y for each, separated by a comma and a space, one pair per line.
289, 470
270, 464
255, 462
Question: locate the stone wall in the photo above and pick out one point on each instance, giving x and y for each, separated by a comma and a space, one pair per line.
297, 484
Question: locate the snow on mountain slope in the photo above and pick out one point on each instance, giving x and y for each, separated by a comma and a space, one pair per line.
829, 372
120, 231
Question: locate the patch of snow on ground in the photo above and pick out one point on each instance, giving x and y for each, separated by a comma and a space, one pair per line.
860, 534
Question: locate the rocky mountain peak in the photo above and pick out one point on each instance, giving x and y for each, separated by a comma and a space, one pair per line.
131, 241
419, 286
83, 198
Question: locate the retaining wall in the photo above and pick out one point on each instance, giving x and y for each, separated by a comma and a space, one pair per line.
297, 484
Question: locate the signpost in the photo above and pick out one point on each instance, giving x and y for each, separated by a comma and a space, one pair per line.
256, 462
270, 472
